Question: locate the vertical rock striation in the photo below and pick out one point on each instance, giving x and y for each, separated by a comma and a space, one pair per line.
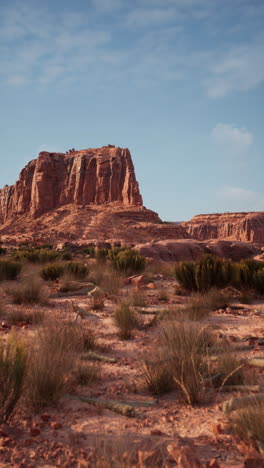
93, 176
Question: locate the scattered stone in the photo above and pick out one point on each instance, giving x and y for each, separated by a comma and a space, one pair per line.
34, 432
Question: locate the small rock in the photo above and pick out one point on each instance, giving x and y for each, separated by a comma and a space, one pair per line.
217, 428
151, 286
55, 425
34, 432
213, 464
137, 281
45, 417
157, 432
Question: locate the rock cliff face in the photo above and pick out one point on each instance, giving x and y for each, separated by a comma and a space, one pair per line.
93, 176
236, 226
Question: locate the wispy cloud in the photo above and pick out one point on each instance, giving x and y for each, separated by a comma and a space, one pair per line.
239, 69
232, 139
143, 42
38, 46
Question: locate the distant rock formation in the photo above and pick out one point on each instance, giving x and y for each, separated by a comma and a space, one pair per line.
190, 249
234, 226
93, 176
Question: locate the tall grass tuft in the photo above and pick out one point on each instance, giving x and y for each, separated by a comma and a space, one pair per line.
12, 373
125, 321
248, 423
51, 359
187, 348
29, 291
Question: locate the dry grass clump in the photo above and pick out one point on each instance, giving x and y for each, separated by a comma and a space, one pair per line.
157, 375
12, 372
97, 302
106, 278
85, 374
166, 269
187, 345
29, 291
138, 299
230, 366
184, 347
32, 317
87, 338
200, 305
248, 423
51, 360
125, 320
69, 283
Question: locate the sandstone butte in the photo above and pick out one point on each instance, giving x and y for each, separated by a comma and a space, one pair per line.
93, 195
82, 195
245, 227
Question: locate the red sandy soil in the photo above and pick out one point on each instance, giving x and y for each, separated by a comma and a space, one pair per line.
65, 435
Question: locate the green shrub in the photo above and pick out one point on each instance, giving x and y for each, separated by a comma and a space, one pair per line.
12, 372
253, 265
258, 281
128, 261
36, 255
241, 276
66, 255
209, 273
77, 269
185, 275
52, 272
125, 320
9, 270
101, 254
87, 251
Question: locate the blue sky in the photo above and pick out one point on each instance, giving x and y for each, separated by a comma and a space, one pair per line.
178, 82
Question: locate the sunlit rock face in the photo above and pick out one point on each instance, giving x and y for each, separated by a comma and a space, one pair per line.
94, 176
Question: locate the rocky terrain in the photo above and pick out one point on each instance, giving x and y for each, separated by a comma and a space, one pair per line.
93, 196
245, 227
82, 195
105, 414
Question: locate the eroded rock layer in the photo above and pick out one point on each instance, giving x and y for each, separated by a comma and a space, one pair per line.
93, 176
236, 226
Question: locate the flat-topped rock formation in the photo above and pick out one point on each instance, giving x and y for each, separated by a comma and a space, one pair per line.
236, 226
80, 195
93, 176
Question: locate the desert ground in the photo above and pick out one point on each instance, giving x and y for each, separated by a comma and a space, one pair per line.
95, 390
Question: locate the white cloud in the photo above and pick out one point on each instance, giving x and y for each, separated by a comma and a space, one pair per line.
231, 138
31, 52
239, 69
241, 199
40, 46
